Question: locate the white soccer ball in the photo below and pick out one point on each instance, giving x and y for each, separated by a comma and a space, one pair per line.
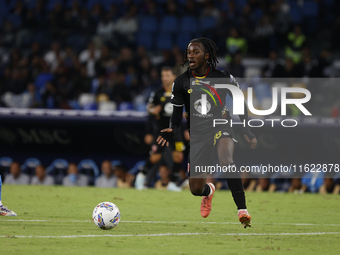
106, 215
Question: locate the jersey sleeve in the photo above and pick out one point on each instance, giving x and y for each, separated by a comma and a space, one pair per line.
152, 98
177, 95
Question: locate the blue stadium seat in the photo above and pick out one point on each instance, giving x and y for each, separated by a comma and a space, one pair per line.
31, 4
134, 170
15, 20
89, 168
310, 9
188, 24
148, 24
257, 14
58, 169
169, 24
116, 162
208, 23
240, 5
69, 3
107, 3
51, 3
164, 41
182, 40
145, 39
125, 106
91, 3
29, 166
295, 14
328, 3
3, 9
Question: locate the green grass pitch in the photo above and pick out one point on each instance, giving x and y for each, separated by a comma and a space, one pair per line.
57, 220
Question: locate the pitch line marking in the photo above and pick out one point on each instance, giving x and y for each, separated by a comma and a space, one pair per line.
181, 222
180, 234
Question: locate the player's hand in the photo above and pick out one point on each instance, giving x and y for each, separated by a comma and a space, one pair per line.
156, 109
164, 137
253, 142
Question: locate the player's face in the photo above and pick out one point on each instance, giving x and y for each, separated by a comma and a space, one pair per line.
167, 78
196, 56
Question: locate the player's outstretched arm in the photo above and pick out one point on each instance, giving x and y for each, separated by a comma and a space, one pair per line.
167, 134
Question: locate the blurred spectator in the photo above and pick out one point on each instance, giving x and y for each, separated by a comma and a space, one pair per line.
126, 27
296, 40
74, 178
105, 29
273, 63
191, 8
124, 179
235, 44
210, 10
41, 178
82, 83
262, 185
330, 185
107, 179
34, 96
236, 67
164, 180
263, 37
89, 57
172, 8
289, 70
323, 67
280, 12
106, 63
54, 56
49, 96
15, 176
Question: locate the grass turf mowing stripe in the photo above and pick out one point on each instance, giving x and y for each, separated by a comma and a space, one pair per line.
183, 222
181, 234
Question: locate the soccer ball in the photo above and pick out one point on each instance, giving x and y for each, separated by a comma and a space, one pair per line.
106, 215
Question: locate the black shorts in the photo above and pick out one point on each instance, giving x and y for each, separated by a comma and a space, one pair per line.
203, 147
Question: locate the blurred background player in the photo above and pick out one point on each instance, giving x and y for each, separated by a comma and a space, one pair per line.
41, 178
4, 211
160, 110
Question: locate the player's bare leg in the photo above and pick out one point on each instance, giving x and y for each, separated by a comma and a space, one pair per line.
199, 187
225, 150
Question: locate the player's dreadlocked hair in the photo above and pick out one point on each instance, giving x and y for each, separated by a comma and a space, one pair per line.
209, 47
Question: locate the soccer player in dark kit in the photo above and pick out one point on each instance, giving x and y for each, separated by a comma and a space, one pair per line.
210, 140
161, 108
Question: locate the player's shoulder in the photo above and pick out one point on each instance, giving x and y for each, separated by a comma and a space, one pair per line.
159, 90
225, 74
183, 77
221, 73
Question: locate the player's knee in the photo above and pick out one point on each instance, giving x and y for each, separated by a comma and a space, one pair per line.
226, 161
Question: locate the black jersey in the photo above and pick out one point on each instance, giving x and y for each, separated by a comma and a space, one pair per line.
185, 94
161, 97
